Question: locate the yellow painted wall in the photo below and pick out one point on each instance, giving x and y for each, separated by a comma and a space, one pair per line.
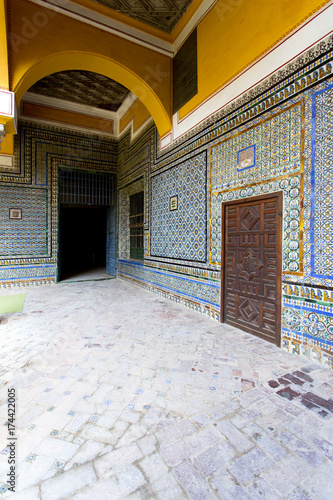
122, 18
44, 42
230, 37
236, 32
7, 146
57, 115
4, 83
138, 113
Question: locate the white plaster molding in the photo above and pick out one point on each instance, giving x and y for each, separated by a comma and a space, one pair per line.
166, 140
136, 133
6, 161
126, 105
303, 38
7, 103
62, 104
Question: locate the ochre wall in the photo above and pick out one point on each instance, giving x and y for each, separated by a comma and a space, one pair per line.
231, 36
7, 146
237, 32
38, 47
138, 113
51, 114
3, 48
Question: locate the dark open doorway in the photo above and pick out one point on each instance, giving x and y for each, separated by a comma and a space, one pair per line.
82, 237
87, 224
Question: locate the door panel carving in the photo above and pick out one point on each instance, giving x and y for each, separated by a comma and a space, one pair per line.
251, 265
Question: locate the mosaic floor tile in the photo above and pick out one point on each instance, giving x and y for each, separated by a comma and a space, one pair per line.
180, 439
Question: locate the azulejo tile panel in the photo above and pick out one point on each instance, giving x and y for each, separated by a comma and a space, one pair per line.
26, 236
134, 157
19, 273
271, 140
30, 254
204, 291
179, 233
41, 145
322, 184
275, 144
307, 322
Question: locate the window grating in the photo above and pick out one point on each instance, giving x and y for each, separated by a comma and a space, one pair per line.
136, 226
86, 188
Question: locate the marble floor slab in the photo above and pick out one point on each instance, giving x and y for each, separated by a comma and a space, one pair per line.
121, 394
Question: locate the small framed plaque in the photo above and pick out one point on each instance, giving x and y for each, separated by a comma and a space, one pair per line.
246, 158
15, 213
173, 203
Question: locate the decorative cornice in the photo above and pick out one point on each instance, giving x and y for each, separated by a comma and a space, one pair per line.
287, 81
63, 105
302, 40
70, 106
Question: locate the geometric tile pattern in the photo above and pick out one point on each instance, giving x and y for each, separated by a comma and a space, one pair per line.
277, 141
276, 147
30, 255
181, 233
322, 184
202, 291
307, 321
248, 157
27, 273
290, 187
26, 236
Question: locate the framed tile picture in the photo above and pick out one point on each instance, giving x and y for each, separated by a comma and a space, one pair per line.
173, 203
15, 213
246, 158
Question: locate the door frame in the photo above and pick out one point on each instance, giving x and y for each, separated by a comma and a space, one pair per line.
109, 215
279, 234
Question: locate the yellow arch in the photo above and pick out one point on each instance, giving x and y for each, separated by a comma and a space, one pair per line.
86, 61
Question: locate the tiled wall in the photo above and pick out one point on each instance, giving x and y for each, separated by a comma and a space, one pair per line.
278, 137
28, 246
27, 235
180, 233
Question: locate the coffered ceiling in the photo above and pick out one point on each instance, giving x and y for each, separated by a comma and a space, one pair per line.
162, 14
82, 87
96, 90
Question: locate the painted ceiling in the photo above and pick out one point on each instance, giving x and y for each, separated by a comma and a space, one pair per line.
82, 87
162, 14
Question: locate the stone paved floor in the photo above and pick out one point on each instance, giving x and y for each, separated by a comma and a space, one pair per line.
122, 394
95, 274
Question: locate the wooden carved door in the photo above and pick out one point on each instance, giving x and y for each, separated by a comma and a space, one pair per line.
251, 265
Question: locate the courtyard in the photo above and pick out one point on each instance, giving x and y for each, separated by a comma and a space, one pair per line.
123, 394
